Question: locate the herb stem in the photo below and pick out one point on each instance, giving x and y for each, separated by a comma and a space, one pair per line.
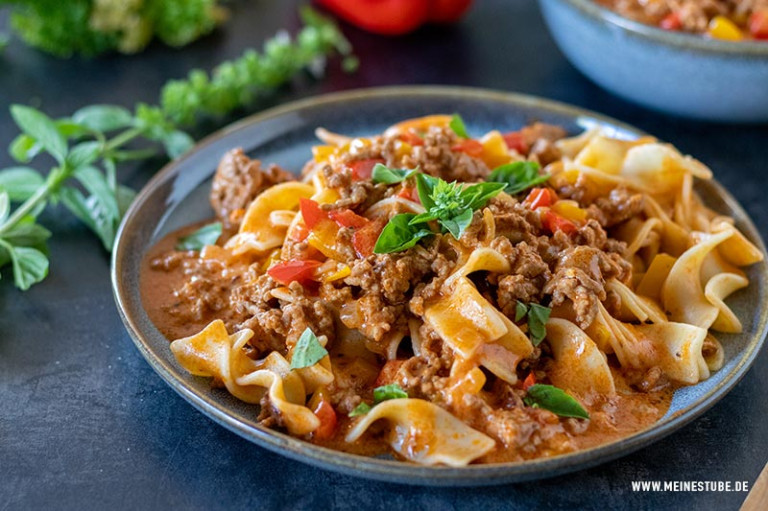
122, 139
28, 205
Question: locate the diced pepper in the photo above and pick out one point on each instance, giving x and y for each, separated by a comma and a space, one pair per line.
299, 233
323, 237
365, 238
470, 146
722, 28
362, 169
388, 372
322, 153
515, 140
554, 222
312, 212
529, 381
671, 22
495, 150
328, 420
411, 138
294, 271
411, 194
540, 197
348, 218
758, 24
402, 149
570, 210
343, 273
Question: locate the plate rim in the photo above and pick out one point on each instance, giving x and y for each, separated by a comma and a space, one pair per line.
397, 471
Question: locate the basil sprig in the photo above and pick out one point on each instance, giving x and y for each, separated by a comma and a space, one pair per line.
555, 400
538, 315
308, 350
380, 394
206, 235
518, 176
450, 204
458, 126
387, 175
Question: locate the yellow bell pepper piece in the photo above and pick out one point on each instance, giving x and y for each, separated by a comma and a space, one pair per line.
402, 149
495, 151
338, 275
570, 210
323, 238
722, 28
274, 256
322, 153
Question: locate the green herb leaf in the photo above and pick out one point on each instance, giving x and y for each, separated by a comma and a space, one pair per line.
360, 409
27, 234
518, 176
95, 182
387, 392
425, 185
399, 235
91, 212
458, 224
206, 235
30, 265
555, 400
383, 174
40, 127
5, 206
520, 310
103, 118
24, 148
20, 183
83, 154
538, 315
308, 351
478, 194
177, 143
458, 126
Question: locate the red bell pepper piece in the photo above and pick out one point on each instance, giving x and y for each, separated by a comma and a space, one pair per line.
529, 381
312, 212
758, 24
301, 271
540, 197
386, 17
671, 22
411, 194
364, 239
411, 138
515, 140
328, 420
554, 222
299, 233
471, 147
388, 372
362, 169
348, 218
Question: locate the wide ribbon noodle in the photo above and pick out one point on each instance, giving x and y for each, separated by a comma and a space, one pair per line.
461, 324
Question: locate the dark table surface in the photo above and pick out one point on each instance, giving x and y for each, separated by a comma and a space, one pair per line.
86, 424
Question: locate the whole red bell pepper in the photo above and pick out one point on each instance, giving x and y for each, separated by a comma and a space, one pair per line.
396, 17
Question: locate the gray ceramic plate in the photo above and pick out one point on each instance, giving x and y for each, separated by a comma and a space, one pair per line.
178, 196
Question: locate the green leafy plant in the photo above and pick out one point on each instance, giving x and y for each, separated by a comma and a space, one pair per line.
555, 400
206, 235
380, 394
308, 350
518, 176
538, 315
88, 147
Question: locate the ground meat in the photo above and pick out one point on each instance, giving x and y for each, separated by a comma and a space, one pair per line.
540, 138
529, 273
619, 206
437, 158
424, 376
238, 180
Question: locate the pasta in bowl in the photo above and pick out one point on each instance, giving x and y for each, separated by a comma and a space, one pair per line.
452, 299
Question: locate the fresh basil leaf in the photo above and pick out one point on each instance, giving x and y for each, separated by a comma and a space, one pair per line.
206, 235
479, 194
360, 409
20, 183
84, 153
425, 185
95, 182
423, 218
387, 392
555, 400
458, 224
40, 127
383, 174
538, 315
30, 265
458, 126
308, 351
69, 129
27, 234
520, 310
177, 143
24, 148
5, 205
399, 235
518, 176
103, 118
91, 212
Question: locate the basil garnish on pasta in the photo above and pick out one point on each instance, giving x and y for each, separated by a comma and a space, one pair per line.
518, 176
206, 235
399, 235
458, 126
555, 400
387, 175
538, 315
308, 351
380, 394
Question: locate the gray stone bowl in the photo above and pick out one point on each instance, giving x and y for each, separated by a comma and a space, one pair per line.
178, 196
678, 73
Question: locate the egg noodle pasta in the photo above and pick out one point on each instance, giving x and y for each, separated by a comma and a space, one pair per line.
450, 299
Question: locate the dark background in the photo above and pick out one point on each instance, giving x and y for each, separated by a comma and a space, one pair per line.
86, 424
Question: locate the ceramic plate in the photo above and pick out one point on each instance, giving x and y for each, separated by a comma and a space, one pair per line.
178, 195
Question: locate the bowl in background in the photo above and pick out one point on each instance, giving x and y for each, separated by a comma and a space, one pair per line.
679, 73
